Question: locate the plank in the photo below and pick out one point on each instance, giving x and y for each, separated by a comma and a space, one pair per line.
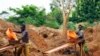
58, 48
7, 47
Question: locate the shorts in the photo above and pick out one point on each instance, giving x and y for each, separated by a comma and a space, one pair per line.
81, 42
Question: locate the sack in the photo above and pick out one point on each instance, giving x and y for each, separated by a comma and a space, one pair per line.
72, 36
11, 35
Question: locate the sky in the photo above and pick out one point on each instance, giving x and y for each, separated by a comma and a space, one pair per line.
5, 4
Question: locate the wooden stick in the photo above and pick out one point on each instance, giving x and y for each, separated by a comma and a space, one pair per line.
58, 48
75, 48
81, 50
7, 47
15, 52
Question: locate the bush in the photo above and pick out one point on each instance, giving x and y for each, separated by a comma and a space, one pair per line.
52, 24
71, 26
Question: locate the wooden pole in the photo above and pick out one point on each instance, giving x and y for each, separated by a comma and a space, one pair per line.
81, 49
15, 52
7, 47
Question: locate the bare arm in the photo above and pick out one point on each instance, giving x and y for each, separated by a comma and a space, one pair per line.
17, 31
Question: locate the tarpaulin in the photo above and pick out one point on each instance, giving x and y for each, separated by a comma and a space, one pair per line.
11, 35
72, 36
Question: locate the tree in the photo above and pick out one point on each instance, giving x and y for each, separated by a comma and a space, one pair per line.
56, 11
51, 21
97, 9
57, 15
54, 18
65, 6
4, 12
88, 10
35, 16
30, 14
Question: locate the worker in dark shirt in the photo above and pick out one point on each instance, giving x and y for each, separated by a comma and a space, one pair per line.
24, 39
81, 40
24, 34
80, 34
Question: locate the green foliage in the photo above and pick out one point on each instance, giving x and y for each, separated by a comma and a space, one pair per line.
52, 24
56, 9
55, 3
3, 12
86, 11
25, 11
87, 24
71, 26
57, 14
30, 14
11, 20
51, 21
85, 48
54, 18
97, 9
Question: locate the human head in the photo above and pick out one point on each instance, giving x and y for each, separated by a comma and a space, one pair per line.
23, 27
80, 27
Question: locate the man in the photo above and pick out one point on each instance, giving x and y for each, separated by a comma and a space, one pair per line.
24, 33
24, 39
80, 34
81, 39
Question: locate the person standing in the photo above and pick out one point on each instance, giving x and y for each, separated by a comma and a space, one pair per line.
24, 39
81, 40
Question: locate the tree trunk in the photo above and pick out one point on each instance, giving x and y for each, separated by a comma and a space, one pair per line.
65, 17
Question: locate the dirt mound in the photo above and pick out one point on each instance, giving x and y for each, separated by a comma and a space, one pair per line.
92, 36
52, 35
3, 27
